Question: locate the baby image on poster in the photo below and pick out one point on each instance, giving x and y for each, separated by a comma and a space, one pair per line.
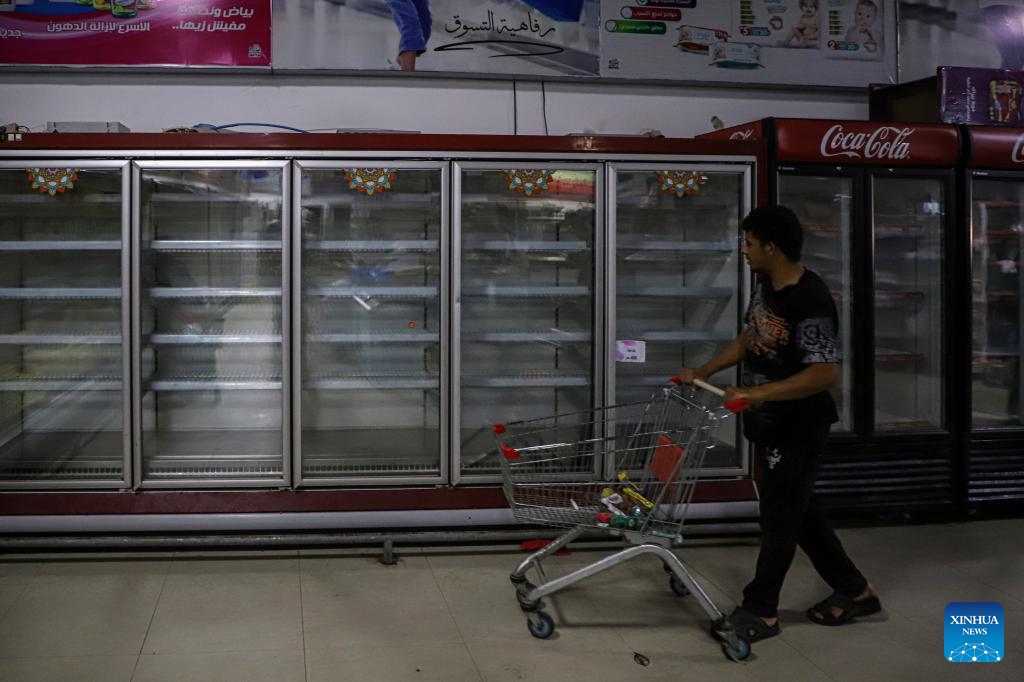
778, 23
854, 29
807, 30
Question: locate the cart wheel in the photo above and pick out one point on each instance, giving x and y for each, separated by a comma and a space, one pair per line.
543, 628
678, 587
741, 651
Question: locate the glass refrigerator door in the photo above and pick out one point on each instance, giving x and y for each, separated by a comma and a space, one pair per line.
63, 261
997, 235
677, 280
373, 252
526, 300
908, 218
824, 204
210, 273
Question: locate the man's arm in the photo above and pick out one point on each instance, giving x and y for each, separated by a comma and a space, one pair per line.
810, 380
732, 354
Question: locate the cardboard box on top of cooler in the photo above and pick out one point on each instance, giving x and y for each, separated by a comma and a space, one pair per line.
956, 94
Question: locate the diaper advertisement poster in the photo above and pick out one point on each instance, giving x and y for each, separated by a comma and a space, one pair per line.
812, 42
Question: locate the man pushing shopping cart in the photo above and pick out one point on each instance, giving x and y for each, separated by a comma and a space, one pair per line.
790, 361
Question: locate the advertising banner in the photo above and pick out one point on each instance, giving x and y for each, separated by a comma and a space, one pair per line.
135, 32
812, 42
533, 37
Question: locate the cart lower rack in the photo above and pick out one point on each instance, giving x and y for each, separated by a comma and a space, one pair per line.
553, 474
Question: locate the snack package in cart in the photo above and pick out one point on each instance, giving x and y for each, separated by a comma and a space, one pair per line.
854, 29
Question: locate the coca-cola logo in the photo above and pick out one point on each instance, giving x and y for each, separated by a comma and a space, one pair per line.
886, 142
1017, 155
742, 134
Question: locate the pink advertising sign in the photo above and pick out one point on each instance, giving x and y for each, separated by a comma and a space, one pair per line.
135, 32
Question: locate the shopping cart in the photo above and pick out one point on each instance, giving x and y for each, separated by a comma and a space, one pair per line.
553, 474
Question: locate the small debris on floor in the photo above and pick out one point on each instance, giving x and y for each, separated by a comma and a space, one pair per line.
641, 659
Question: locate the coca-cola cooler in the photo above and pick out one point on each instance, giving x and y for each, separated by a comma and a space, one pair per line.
878, 205
994, 214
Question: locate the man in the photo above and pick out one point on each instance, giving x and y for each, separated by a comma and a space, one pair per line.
790, 360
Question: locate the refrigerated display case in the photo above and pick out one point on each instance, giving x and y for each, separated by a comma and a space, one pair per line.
878, 204
63, 325
211, 372
527, 306
678, 279
994, 216
332, 323
371, 400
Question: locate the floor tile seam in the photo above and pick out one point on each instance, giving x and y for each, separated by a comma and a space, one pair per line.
49, 656
152, 617
999, 588
302, 629
10, 607
194, 652
455, 621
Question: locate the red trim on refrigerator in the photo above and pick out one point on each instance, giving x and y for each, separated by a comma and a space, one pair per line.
381, 142
864, 142
996, 147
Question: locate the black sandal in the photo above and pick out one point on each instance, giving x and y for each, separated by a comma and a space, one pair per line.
821, 613
751, 626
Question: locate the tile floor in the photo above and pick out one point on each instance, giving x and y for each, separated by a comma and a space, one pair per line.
449, 614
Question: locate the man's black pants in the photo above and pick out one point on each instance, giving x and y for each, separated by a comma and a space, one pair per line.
790, 518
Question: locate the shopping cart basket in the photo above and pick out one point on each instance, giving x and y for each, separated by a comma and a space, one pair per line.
553, 474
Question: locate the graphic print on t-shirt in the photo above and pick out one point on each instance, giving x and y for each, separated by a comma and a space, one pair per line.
769, 331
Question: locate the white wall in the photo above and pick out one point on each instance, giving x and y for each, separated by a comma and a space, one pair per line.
148, 102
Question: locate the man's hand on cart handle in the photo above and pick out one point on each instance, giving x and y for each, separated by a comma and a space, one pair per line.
687, 375
738, 401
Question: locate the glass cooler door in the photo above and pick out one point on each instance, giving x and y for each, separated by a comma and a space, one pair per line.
63, 317
526, 303
824, 204
908, 219
373, 399
211, 273
677, 279
996, 238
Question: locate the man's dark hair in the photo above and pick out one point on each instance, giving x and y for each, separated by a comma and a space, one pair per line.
776, 225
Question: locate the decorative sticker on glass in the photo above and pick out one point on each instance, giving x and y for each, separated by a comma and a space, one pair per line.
528, 182
53, 181
369, 181
681, 183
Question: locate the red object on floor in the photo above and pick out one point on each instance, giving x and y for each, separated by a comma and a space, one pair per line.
534, 545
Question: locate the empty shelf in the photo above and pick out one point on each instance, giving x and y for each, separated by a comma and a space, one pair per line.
527, 292
673, 292
373, 246
60, 245
380, 292
29, 338
193, 339
524, 245
526, 380
677, 335
210, 292
61, 292
370, 337
212, 245
681, 246
546, 336
372, 382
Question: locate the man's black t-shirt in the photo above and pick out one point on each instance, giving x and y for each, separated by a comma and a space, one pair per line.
788, 330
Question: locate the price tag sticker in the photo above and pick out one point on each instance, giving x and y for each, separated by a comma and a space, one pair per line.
627, 350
